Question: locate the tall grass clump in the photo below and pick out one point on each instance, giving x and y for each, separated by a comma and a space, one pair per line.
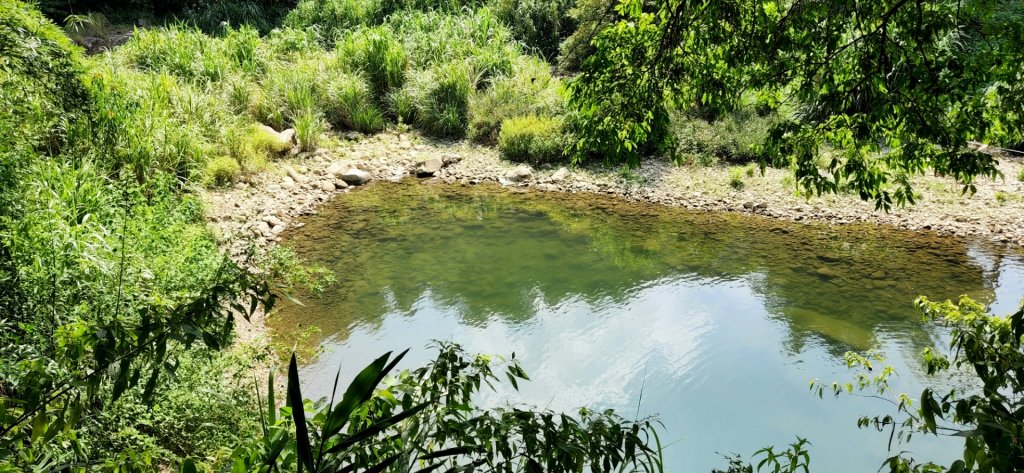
532, 139
378, 55
288, 90
540, 24
309, 127
329, 18
733, 137
477, 39
531, 90
187, 52
351, 105
212, 16
442, 100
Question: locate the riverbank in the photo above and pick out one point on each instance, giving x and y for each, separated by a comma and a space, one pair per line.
259, 210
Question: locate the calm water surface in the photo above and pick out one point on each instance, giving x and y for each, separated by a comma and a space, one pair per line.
722, 320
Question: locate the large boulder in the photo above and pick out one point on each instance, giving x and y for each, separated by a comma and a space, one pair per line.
355, 176
520, 173
560, 175
429, 167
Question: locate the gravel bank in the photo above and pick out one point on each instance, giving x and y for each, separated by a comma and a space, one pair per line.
257, 211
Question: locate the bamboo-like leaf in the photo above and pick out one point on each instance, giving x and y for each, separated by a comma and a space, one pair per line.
376, 428
189, 466
271, 402
359, 391
302, 444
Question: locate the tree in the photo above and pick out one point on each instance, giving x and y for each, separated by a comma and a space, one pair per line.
882, 90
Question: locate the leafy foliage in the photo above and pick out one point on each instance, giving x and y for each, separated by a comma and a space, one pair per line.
426, 419
903, 87
985, 348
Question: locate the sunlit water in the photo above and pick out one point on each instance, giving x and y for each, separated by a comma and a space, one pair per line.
720, 321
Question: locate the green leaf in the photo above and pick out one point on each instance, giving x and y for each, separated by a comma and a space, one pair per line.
302, 443
188, 466
359, 391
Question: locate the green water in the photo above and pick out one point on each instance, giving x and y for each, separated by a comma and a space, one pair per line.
721, 320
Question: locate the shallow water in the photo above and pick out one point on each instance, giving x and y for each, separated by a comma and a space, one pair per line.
720, 320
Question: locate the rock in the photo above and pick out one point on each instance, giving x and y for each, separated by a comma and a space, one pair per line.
826, 272
273, 221
355, 176
295, 175
277, 229
288, 183
449, 160
429, 167
337, 169
547, 187
262, 229
761, 206
560, 175
340, 184
274, 187
288, 135
829, 257
327, 186
748, 205
520, 173
878, 275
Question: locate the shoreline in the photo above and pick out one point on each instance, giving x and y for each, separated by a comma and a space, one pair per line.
261, 208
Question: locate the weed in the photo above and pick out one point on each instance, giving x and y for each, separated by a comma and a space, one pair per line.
736, 178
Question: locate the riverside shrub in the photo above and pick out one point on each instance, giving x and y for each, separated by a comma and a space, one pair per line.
532, 139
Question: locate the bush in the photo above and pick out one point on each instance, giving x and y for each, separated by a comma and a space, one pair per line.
532, 139
530, 91
222, 171
41, 89
442, 100
589, 17
1020, 175
540, 24
732, 138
